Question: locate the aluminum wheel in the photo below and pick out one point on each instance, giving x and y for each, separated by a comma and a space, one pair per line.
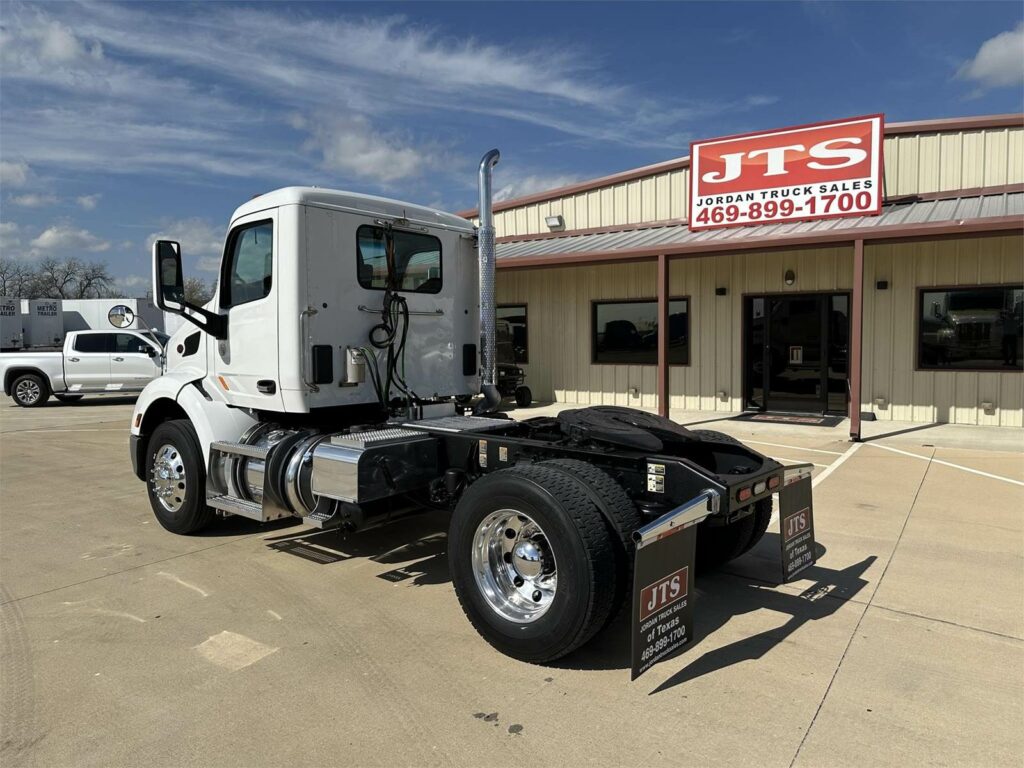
28, 391
168, 478
514, 566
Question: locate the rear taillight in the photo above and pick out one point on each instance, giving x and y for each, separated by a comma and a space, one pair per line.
744, 494
774, 482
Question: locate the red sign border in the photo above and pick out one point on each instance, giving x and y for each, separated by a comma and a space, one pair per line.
881, 174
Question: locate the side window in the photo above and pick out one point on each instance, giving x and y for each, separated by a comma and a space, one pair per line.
94, 342
248, 271
417, 260
125, 342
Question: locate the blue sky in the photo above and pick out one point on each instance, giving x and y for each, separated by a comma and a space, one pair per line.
122, 122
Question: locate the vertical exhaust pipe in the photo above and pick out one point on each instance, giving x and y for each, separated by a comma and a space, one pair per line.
488, 344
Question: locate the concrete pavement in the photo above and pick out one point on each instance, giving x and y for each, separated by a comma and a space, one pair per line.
250, 645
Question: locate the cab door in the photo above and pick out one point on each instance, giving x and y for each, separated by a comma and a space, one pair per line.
245, 363
87, 365
134, 363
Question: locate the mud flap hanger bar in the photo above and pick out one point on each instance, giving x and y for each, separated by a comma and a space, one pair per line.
793, 473
683, 516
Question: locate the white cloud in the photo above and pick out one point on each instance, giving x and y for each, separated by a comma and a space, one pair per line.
33, 200
999, 62
66, 237
200, 240
88, 202
354, 147
9, 238
13, 174
515, 185
134, 285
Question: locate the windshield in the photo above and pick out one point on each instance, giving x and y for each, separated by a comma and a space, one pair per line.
158, 336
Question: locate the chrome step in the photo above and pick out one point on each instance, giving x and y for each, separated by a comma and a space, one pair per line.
240, 449
323, 520
236, 506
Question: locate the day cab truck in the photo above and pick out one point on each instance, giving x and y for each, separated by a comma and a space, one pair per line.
345, 374
90, 362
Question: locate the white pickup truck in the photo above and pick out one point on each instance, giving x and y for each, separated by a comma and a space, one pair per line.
91, 362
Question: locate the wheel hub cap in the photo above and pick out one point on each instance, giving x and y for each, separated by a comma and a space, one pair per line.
28, 391
514, 566
168, 478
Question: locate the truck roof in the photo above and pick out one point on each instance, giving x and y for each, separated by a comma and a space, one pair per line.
370, 204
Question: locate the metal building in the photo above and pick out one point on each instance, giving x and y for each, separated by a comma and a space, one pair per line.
913, 314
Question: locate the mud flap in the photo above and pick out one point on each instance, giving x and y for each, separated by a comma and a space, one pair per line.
663, 582
796, 521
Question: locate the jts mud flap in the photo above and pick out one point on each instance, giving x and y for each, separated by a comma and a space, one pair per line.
796, 521
663, 582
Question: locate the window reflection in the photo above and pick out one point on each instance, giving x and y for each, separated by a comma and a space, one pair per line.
971, 328
512, 334
627, 332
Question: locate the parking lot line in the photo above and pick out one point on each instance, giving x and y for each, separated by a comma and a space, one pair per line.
948, 464
794, 447
835, 464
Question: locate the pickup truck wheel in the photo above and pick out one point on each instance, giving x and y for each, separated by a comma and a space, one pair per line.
176, 478
533, 562
524, 397
717, 545
30, 390
69, 398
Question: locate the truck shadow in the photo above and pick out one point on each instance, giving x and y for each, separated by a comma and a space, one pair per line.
420, 557
92, 400
722, 595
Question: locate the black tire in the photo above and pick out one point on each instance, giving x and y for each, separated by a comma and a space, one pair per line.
579, 540
30, 390
191, 513
524, 397
69, 398
717, 545
617, 506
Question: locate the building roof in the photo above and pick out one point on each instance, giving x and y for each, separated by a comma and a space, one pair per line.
985, 210
353, 201
941, 125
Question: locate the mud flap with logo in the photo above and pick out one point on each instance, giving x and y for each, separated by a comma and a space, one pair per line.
796, 520
663, 582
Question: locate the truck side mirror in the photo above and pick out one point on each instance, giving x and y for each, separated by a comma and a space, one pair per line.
170, 287
169, 290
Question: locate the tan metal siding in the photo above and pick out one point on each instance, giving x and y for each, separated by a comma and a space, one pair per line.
890, 331
914, 164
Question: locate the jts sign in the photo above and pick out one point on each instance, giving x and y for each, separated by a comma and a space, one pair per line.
820, 171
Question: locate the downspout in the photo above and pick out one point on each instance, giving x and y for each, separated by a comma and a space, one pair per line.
485, 234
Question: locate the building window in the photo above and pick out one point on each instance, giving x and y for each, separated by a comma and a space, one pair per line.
970, 329
513, 339
626, 332
417, 260
249, 268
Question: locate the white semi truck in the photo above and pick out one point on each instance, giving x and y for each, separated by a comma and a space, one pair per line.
344, 374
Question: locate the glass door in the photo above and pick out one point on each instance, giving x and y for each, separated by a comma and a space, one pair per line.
795, 350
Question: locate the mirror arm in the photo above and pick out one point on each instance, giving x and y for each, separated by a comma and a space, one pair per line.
214, 324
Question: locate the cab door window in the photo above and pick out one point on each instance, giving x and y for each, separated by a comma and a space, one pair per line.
248, 270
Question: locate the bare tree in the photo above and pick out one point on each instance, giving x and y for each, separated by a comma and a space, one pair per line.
57, 279
16, 279
198, 291
92, 281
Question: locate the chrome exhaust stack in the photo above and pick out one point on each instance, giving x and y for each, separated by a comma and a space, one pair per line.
488, 345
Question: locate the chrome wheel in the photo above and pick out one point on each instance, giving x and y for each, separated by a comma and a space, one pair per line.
168, 478
28, 392
514, 566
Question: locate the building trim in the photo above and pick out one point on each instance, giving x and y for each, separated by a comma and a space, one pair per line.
849, 235
979, 122
951, 194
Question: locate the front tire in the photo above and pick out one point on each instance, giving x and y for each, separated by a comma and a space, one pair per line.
533, 562
30, 390
176, 478
524, 397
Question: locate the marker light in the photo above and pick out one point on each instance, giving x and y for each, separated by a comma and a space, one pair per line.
744, 494
773, 482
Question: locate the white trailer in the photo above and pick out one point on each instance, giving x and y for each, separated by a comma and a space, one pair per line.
103, 314
10, 323
42, 322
